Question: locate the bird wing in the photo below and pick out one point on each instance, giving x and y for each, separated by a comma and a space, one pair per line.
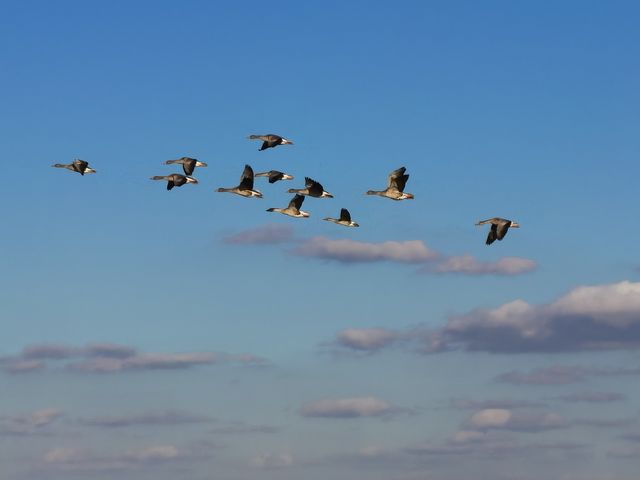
492, 235
395, 174
170, 184
274, 176
344, 215
400, 182
315, 188
501, 229
81, 166
246, 180
296, 202
188, 165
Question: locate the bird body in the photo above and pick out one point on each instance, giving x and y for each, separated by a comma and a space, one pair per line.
312, 189
245, 189
188, 164
274, 176
395, 186
293, 209
344, 220
80, 166
499, 228
175, 180
270, 140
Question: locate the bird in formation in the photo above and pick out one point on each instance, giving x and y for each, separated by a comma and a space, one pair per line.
270, 140
312, 189
293, 209
345, 219
78, 165
245, 189
395, 186
274, 176
188, 164
175, 180
396, 183
499, 228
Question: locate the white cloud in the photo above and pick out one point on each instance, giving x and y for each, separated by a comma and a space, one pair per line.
469, 265
348, 408
351, 251
367, 339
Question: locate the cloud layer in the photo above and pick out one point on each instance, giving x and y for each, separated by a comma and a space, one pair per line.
588, 318
348, 408
351, 251
113, 358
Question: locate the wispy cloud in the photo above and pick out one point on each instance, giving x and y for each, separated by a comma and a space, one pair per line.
592, 397
507, 419
272, 460
71, 459
366, 339
352, 251
114, 358
348, 408
469, 404
469, 265
562, 375
170, 417
34, 423
269, 234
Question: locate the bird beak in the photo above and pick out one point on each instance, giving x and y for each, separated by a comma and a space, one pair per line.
410, 196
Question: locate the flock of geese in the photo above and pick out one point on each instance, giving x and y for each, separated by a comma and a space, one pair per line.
396, 182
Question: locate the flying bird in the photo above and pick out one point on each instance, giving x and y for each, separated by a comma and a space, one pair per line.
311, 188
345, 219
78, 165
499, 228
395, 186
245, 189
274, 176
175, 180
270, 140
188, 164
293, 210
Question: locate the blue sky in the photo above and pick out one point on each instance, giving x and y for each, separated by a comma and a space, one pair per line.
155, 334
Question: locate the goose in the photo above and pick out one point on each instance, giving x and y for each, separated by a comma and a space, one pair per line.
175, 180
345, 219
245, 188
312, 188
293, 210
188, 164
499, 228
274, 176
270, 140
78, 165
395, 186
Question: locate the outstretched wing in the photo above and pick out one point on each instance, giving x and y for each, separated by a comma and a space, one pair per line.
188, 165
170, 184
502, 229
315, 189
246, 180
492, 234
296, 202
394, 175
344, 215
274, 176
400, 182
